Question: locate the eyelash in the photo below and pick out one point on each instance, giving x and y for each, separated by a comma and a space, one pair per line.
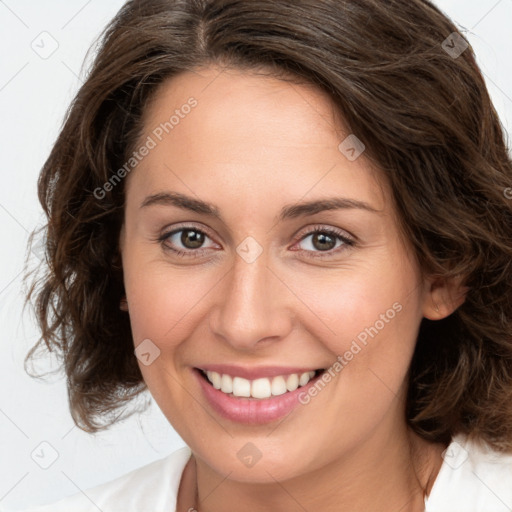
197, 253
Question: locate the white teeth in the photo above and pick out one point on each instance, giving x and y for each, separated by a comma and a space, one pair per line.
292, 383
259, 388
241, 387
278, 386
304, 379
216, 380
226, 384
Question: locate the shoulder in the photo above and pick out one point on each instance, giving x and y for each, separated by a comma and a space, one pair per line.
150, 488
473, 478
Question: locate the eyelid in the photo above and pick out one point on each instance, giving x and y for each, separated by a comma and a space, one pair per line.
348, 241
166, 231
303, 232
347, 238
329, 229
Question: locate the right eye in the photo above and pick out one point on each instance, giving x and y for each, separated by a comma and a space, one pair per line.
189, 237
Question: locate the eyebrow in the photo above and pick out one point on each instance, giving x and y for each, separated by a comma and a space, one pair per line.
291, 211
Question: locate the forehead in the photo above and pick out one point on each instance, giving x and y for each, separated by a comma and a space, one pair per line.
248, 133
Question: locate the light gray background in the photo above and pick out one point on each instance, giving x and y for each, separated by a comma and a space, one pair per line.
34, 94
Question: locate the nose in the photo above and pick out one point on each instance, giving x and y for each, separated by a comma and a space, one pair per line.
253, 306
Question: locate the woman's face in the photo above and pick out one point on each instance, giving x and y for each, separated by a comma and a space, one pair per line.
255, 288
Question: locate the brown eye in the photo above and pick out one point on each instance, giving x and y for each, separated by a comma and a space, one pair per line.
188, 241
325, 240
192, 238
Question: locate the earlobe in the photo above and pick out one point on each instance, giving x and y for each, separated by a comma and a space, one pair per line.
123, 304
444, 297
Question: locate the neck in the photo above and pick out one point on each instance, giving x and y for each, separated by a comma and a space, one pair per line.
385, 473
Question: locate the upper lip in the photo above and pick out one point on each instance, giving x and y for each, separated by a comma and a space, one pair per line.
255, 372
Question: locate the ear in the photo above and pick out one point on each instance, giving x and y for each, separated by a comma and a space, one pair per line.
121, 238
117, 260
443, 297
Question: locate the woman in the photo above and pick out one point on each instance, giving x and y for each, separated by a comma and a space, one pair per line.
288, 220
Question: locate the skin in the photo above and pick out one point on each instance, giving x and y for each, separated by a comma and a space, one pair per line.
252, 145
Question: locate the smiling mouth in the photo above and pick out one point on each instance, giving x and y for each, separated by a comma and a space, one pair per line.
261, 388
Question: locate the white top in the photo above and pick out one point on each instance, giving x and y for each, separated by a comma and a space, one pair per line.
472, 478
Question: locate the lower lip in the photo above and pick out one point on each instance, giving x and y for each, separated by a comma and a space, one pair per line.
252, 411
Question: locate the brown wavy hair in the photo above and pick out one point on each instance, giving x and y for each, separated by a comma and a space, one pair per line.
428, 124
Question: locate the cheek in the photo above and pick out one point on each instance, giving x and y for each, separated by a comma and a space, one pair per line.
164, 304
336, 303
369, 316
166, 301
347, 302
372, 303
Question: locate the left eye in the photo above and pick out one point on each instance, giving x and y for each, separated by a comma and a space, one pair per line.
324, 240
